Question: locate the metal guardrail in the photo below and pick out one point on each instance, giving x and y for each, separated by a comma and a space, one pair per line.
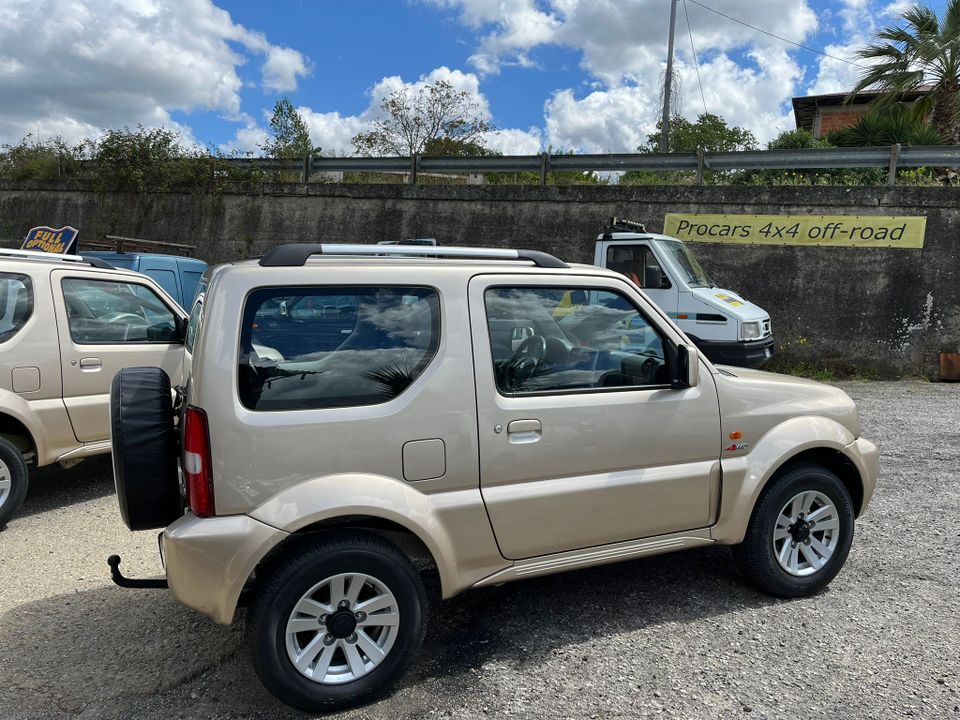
890, 157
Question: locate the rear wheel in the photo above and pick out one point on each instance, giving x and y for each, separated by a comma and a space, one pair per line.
13, 480
336, 621
799, 534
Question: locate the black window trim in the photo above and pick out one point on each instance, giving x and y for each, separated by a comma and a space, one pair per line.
576, 391
436, 327
28, 284
124, 281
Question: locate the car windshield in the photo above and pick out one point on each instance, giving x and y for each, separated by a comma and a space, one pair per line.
686, 263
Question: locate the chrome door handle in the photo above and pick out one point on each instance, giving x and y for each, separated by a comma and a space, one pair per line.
90, 363
521, 432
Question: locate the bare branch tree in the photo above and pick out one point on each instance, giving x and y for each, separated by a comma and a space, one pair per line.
414, 117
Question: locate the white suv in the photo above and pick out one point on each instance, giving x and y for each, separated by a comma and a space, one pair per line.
67, 325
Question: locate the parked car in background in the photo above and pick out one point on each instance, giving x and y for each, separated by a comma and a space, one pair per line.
727, 328
176, 272
179, 276
68, 323
349, 409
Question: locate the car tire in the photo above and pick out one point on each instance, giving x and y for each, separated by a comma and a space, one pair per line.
799, 533
301, 587
144, 447
14, 479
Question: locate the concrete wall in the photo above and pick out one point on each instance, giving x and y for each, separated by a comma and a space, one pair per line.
886, 309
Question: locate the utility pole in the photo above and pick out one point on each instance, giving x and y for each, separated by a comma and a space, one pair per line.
668, 82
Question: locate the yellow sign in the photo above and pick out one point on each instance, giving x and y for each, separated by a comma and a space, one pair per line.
896, 231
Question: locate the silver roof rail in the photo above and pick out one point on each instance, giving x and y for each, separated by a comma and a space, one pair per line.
297, 254
53, 257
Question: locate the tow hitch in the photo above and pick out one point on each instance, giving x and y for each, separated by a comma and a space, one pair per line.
114, 562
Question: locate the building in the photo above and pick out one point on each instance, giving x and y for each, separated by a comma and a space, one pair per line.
822, 114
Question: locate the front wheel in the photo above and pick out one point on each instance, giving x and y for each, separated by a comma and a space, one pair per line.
336, 621
799, 534
13, 480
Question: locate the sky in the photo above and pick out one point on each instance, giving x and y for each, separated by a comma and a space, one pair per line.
572, 75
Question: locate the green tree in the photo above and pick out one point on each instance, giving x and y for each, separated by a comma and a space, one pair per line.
922, 54
886, 126
451, 147
43, 160
710, 132
289, 137
412, 118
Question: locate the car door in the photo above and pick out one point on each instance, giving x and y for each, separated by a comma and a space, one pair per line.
639, 263
104, 324
589, 445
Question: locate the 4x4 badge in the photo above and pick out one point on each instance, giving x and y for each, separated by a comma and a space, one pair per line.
736, 446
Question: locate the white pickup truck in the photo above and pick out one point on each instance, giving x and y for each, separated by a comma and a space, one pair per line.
727, 328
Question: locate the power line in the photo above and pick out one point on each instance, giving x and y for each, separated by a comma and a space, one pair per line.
778, 37
696, 63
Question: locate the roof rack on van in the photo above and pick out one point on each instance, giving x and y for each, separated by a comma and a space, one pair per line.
623, 224
118, 244
54, 257
296, 254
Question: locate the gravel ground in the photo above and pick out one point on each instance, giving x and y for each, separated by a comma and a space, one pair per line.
671, 636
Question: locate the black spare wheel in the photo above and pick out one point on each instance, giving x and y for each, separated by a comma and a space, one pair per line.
144, 448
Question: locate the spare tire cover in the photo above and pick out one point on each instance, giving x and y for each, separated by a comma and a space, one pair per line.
144, 448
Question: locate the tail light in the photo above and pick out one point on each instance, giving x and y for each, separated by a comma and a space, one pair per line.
197, 462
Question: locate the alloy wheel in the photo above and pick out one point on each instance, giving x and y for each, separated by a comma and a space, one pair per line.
806, 533
342, 628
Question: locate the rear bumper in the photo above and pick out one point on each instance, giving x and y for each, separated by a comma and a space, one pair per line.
750, 353
209, 560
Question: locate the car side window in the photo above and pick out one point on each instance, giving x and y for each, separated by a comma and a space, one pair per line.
311, 347
196, 315
109, 312
558, 339
638, 263
16, 303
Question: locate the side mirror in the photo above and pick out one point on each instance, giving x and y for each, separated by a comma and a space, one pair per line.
664, 281
687, 372
180, 329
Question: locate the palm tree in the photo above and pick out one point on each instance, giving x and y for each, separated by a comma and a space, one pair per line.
924, 54
886, 126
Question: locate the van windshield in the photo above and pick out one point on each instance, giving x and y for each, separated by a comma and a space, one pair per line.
687, 264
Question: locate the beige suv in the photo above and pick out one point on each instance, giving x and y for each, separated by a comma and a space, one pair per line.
353, 410
67, 325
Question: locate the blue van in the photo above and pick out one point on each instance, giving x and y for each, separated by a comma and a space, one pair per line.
178, 275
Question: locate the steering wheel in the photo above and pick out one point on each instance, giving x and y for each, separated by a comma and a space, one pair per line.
525, 361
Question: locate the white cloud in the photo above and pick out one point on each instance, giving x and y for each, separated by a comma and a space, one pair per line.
515, 141
897, 8
834, 76
615, 120
247, 141
622, 46
859, 16
74, 67
282, 68
520, 24
333, 131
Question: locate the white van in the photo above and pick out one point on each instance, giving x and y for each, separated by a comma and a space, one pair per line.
728, 329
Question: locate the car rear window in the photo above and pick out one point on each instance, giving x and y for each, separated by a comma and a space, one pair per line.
307, 347
16, 303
